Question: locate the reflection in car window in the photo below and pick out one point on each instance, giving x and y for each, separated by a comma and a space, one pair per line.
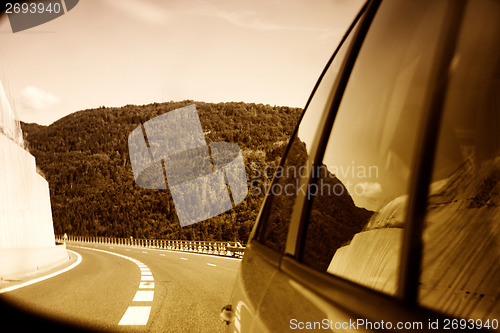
461, 255
292, 175
357, 216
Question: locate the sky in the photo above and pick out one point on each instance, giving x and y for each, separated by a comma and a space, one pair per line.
117, 52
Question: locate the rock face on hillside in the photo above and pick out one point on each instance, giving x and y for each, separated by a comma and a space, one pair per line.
461, 260
463, 263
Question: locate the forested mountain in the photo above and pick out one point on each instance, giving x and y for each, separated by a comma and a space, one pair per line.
84, 157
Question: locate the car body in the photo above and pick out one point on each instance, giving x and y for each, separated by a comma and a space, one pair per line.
384, 213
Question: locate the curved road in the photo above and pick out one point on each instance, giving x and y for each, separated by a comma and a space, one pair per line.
115, 286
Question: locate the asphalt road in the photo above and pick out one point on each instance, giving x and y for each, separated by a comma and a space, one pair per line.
164, 291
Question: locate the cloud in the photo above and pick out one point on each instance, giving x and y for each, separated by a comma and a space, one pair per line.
252, 19
145, 11
370, 189
247, 19
34, 98
262, 15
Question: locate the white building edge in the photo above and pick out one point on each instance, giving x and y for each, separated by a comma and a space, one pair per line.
27, 242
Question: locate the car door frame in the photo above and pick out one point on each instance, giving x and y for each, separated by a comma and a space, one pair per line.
356, 300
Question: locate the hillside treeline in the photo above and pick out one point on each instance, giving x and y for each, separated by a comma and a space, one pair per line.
84, 157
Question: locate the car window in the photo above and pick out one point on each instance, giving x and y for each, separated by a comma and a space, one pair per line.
357, 216
291, 177
461, 239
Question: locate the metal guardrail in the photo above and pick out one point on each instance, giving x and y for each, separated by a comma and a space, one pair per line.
227, 249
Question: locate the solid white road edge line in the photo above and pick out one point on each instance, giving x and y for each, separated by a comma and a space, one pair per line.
27, 283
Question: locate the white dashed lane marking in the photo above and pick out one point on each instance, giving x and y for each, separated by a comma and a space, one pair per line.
146, 285
209, 264
136, 315
143, 296
183, 258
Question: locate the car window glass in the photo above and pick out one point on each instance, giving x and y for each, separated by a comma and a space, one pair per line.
357, 216
291, 176
461, 239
